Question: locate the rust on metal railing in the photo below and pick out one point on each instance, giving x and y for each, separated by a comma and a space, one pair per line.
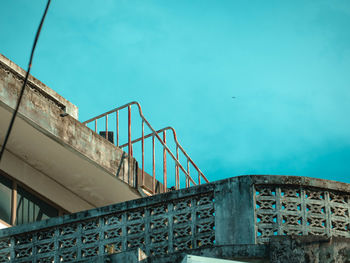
164, 163
178, 146
155, 135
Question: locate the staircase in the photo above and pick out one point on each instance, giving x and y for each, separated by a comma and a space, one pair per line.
154, 175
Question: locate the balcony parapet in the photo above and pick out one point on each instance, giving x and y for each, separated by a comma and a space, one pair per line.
240, 210
289, 205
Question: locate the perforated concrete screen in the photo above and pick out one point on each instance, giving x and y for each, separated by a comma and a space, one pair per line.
197, 259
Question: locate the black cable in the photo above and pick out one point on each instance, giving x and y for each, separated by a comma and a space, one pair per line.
25, 81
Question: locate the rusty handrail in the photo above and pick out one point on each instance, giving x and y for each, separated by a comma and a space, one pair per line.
177, 144
154, 134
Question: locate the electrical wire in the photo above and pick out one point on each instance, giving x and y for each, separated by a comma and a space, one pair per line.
25, 81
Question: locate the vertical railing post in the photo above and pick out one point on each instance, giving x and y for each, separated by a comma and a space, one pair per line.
164, 163
143, 151
117, 123
188, 172
106, 127
129, 131
153, 167
177, 177
199, 177
14, 204
96, 126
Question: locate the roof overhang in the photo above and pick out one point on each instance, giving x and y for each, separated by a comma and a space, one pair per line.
56, 156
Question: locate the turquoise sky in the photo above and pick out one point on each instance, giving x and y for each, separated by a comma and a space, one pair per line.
286, 62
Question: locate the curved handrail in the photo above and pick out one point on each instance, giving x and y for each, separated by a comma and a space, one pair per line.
177, 144
155, 133
114, 110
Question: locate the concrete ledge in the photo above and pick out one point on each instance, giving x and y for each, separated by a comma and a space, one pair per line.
34, 83
131, 256
304, 249
246, 253
300, 181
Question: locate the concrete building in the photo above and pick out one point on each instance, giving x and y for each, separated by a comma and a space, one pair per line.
56, 161
103, 205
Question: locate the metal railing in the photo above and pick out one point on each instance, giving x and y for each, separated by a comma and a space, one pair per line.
155, 136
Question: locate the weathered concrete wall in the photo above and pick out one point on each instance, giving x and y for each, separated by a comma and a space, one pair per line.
202, 216
245, 253
288, 205
281, 249
131, 256
207, 220
148, 183
15, 73
309, 249
234, 210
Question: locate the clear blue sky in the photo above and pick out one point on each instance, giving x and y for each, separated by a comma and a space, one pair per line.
286, 62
